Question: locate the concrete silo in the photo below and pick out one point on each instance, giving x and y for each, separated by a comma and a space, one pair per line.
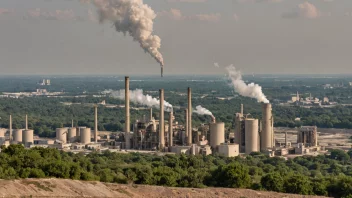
85, 136
27, 137
72, 135
251, 128
61, 134
17, 135
267, 135
217, 134
2, 133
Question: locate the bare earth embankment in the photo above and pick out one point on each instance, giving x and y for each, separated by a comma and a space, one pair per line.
74, 188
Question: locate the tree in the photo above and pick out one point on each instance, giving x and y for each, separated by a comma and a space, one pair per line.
298, 184
339, 155
233, 175
273, 182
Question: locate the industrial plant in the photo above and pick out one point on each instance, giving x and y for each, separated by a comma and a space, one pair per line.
167, 135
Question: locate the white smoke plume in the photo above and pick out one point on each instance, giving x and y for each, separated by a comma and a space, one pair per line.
251, 90
135, 18
137, 96
216, 65
202, 111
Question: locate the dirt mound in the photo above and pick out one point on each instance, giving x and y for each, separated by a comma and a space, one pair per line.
74, 188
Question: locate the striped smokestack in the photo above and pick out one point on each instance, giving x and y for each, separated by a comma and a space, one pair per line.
127, 107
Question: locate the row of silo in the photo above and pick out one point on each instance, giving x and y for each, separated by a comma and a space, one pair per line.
24, 136
81, 134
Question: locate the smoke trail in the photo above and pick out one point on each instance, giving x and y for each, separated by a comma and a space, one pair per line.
202, 111
137, 96
135, 18
251, 90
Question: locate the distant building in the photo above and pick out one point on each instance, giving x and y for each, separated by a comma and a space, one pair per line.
45, 82
308, 136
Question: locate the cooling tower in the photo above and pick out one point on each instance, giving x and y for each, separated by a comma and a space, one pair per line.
17, 135
27, 137
85, 136
189, 138
61, 134
266, 136
217, 134
251, 128
161, 121
127, 107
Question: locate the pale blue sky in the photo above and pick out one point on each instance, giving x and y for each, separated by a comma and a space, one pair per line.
257, 36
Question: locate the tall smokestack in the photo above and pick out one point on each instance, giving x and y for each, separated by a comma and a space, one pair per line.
151, 114
170, 130
189, 139
96, 123
10, 128
267, 130
26, 122
127, 107
241, 109
72, 123
161, 121
186, 127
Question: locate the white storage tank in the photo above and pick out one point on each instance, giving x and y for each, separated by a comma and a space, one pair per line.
27, 137
217, 134
17, 135
61, 134
85, 136
251, 130
72, 135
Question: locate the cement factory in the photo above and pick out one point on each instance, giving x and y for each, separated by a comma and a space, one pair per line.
168, 136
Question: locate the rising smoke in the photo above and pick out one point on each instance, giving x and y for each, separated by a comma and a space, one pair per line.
137, 96
202, 111
251, 90
135, 18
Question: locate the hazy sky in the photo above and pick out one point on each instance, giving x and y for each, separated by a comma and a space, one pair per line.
257, 36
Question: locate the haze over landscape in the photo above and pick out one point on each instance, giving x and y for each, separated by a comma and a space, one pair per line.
258, 36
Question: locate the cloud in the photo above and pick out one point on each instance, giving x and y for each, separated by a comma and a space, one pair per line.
176, 14
38, 13
305, 10
208, 17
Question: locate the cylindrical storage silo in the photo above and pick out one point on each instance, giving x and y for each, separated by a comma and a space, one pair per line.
217, 134
27, 136
17, 135
85, 136
61, 134
266, 136
2, 133
79, 129
72, 135
251, 130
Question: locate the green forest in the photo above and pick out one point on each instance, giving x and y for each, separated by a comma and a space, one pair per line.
328, 175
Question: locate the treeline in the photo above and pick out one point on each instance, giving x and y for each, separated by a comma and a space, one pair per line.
329, 175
